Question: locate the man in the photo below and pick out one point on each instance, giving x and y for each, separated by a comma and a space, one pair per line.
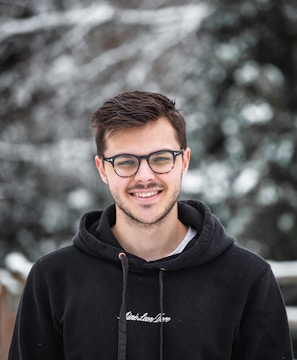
149, 277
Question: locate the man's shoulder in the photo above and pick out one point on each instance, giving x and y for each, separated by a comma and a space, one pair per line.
60, 257
245, 260
246, 253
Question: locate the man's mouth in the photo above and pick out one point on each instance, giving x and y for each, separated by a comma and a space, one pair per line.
146, 194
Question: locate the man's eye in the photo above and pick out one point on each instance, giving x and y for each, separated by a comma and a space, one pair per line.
126, 162
160, 159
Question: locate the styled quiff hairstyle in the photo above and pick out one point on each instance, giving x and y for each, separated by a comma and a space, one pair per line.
135, 109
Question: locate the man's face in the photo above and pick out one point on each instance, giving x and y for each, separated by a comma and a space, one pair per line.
145, 198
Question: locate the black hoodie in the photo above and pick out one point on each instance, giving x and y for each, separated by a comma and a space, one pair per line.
93, 301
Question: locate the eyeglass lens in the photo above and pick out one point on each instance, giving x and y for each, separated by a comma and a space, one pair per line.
159, 162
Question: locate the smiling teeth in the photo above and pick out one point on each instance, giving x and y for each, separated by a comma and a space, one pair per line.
146, 195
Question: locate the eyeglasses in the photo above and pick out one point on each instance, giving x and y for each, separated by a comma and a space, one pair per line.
160, 162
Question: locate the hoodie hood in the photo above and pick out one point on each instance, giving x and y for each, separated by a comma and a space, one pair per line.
96, 238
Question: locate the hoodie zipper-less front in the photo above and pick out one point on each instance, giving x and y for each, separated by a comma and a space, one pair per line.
122, 325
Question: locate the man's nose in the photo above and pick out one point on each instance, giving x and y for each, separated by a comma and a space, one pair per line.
144, 171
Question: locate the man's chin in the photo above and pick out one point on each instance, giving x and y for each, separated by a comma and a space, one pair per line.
148, 218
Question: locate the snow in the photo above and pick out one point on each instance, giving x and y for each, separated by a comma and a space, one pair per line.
284, 271
17, 264
9, 282
210, 179
292, 316
257, 113
246, 181
40, 22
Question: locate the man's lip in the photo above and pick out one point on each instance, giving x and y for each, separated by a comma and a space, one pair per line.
145, 194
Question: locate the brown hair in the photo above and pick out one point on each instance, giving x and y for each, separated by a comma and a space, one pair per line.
133, 109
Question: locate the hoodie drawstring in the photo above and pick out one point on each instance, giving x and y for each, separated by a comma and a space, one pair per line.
122, 327
161, 287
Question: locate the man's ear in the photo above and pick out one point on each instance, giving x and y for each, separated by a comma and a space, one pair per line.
101, 169
186, 160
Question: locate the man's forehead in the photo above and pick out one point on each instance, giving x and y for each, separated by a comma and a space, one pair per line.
142, 140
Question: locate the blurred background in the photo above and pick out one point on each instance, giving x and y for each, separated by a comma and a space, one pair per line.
231, 66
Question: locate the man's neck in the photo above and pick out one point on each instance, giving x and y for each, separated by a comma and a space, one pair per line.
150, 242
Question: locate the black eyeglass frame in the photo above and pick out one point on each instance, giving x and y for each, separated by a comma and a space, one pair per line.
174, 153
